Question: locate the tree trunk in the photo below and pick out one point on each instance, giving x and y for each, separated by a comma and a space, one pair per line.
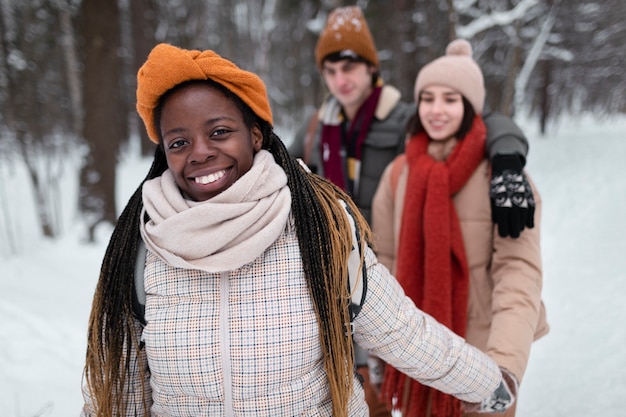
508, 89
453, 19
545, 96
104, 123
23, 111
71, 62
143, 19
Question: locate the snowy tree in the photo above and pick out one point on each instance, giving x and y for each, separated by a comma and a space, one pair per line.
68, 68
582, 65
104, 126
37, 115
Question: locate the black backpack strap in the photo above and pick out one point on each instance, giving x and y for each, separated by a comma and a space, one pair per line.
139, 294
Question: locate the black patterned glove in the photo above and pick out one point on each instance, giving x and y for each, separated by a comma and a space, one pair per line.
512, 201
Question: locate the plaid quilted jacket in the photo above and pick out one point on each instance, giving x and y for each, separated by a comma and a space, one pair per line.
245, 342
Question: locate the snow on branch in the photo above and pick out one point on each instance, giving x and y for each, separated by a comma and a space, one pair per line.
463, 5
495, 19
533, 56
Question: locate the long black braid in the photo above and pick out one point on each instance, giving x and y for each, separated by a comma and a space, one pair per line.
111, 334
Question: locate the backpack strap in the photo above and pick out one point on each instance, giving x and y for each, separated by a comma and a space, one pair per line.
139, 295
357, 270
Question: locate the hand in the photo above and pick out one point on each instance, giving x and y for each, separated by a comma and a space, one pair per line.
502, 398
512, 201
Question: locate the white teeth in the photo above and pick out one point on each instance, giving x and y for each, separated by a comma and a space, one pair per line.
207, 179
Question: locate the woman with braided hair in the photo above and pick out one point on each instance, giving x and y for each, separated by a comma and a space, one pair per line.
243, 255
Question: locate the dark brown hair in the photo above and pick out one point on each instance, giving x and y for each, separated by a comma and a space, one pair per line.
351, 57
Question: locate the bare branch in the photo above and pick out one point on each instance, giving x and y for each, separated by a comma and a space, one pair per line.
533, 56
495, 19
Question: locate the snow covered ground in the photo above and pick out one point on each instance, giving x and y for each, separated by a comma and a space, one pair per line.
578, 370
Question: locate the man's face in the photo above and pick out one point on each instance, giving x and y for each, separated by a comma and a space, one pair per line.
349, 82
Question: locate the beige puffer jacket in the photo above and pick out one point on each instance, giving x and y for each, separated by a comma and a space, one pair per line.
505, 310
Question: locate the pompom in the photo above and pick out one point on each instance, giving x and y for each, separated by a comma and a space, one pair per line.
456, 70
459, 47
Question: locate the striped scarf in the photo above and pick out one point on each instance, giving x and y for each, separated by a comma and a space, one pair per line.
344, 171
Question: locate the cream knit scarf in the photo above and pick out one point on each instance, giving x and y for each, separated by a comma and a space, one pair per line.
222, 233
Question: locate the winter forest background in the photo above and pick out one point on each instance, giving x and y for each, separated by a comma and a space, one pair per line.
70, 140
68, 68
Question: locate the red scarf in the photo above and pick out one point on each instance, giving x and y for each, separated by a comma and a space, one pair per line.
333, 138
431, 262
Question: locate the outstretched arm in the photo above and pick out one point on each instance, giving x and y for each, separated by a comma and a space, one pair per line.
512, 202
391, 327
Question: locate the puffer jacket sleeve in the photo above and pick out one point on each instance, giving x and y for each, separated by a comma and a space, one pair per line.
391, 327
517, 276
138, 394
504, 136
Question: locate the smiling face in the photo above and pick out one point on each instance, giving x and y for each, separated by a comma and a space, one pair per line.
441, 112
207, 144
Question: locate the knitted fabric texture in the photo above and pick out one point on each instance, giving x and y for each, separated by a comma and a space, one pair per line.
222, 233
456, 70
167, 66
431, 262
346, 29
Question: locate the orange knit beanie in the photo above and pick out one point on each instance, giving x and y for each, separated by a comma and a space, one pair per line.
346, 29
167, 66
456, 70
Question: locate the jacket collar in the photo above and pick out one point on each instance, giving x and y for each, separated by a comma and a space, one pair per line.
330, 111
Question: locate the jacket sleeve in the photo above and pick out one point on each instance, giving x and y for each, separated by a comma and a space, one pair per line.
504, 136
392, 328
137, 385
517, 276
383, 221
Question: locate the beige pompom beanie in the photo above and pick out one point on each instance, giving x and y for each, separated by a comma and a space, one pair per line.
457, 70
346, 29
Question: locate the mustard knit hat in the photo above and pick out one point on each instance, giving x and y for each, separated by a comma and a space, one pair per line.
167, 66
456, 70
346, 29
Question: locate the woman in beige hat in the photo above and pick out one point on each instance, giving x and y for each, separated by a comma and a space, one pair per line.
433, 228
